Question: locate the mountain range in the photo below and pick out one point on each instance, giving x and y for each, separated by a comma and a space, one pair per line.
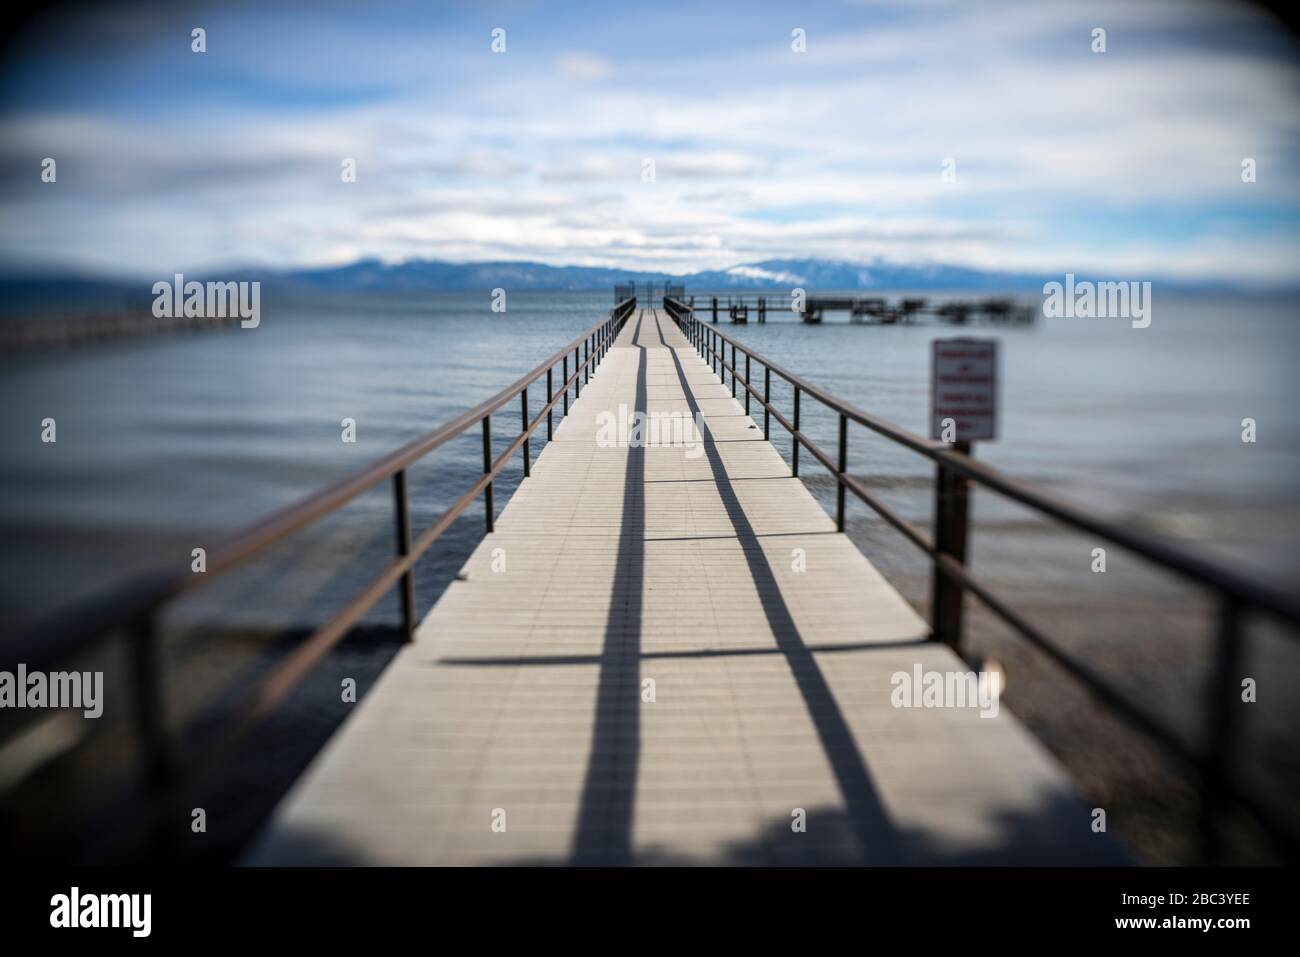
55, 292
432, 275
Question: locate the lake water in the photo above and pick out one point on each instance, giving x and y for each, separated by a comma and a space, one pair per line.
168, 443
164, 444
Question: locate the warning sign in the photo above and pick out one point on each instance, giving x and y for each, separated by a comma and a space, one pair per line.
963, 388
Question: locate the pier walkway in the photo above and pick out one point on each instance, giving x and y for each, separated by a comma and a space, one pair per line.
669, 655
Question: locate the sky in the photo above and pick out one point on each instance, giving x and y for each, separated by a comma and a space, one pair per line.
1065, 159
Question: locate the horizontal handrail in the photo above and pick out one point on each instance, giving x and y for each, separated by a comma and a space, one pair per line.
66, 632
946, 549
1162, 551
136, 604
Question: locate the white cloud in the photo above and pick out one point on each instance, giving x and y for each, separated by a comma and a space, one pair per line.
583, 66
1064, 158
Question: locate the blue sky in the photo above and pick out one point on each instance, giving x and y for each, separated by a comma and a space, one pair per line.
1127, 161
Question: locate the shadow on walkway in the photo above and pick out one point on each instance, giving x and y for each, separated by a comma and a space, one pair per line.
605, 813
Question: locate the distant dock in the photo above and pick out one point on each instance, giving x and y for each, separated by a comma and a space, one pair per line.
864, 310
60, 332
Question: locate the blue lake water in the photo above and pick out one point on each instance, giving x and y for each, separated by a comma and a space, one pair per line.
165, 444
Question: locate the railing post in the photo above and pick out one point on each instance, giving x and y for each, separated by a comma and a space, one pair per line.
577, 379
950, 527
733, 367
794, 439
550, 409
564, 376
715, 310
149, 717
844, 464
767, 400
523, 411
150, 722
1223, 690
747, 383
487, 467
401, 503
586, 360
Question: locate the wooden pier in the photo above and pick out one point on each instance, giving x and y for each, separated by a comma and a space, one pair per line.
669, 655
661, 652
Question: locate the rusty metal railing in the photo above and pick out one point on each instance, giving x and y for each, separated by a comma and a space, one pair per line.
136, 606
955, 470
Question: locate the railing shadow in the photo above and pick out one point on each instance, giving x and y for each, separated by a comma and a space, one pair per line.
870, 820
603, 834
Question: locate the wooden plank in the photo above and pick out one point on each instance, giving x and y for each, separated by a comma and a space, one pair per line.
524, 700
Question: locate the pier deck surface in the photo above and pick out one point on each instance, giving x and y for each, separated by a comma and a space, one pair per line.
523, 700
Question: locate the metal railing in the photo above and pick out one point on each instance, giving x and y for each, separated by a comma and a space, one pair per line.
137, 605
955, 470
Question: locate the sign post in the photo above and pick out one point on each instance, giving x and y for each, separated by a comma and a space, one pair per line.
963, 409
963, 389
